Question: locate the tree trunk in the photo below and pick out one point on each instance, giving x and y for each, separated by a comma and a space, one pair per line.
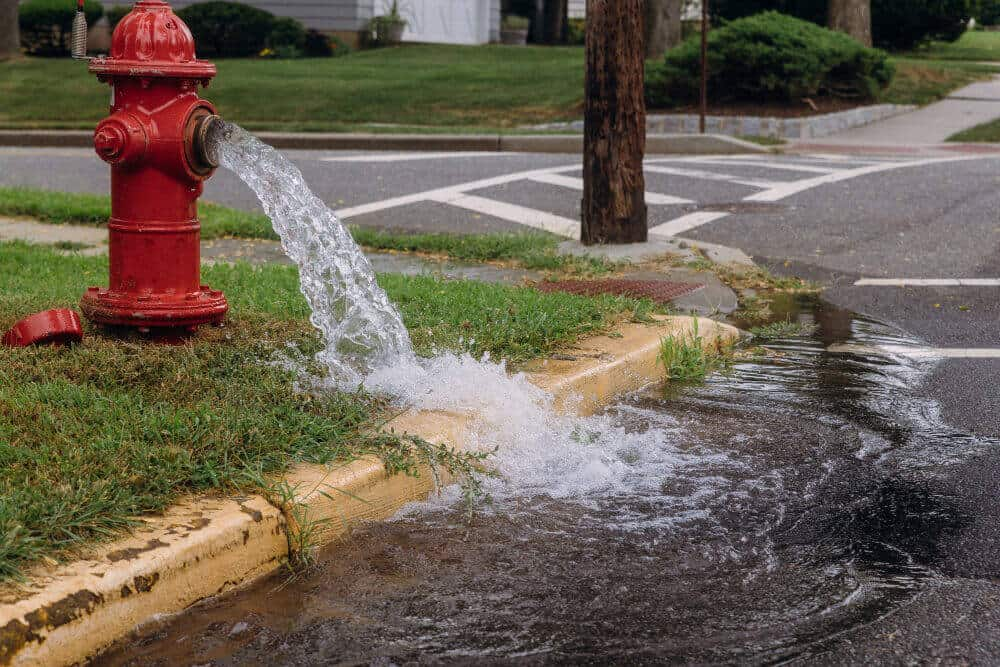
663, 26
853, 17
614, 134
10, 38
556, 22
538, 22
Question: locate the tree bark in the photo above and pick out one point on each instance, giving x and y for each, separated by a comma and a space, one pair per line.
663, 26
556, 21
614, 142
538, 23
853, 17
10, 38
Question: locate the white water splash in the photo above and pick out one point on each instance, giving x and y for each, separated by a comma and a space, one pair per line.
361, 328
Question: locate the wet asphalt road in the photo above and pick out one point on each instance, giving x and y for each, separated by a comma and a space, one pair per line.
936, 220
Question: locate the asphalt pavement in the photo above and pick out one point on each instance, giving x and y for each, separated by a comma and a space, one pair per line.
872, 229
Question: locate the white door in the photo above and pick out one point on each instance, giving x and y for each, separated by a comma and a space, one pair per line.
445, 21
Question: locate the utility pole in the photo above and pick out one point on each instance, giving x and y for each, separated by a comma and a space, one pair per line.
703, 106
614, 133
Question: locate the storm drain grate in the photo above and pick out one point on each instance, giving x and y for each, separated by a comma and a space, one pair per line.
660, 291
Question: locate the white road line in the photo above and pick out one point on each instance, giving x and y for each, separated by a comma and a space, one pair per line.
771, 164
783, 190
686, 223
713, 176
512, 213
577, 184
919, 352
433, 195
928, 282
408, 157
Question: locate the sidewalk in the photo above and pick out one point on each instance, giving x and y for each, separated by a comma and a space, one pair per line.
964, 108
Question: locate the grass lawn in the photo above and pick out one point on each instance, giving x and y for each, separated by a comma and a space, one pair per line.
921, 81
984, 133
421, 88
95, 435
976, 45
426, 86
529, 250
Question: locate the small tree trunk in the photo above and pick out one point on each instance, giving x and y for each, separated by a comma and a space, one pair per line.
556, 23
538, 22
853, 17
663, 26
10, 38
614, 141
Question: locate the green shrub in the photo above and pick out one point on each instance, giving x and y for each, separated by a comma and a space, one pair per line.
287, 33
576, 32
896, 24
904, 25
228, 29
115, 14
46, 25
989, 12
770, 57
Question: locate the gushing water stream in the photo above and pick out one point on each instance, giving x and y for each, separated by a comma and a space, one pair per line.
362, 330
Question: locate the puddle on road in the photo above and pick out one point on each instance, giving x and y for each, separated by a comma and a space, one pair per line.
791, 500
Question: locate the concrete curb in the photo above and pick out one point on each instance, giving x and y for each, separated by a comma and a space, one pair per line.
686, 144
205, 546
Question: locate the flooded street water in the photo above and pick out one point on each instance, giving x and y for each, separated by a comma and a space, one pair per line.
757, 518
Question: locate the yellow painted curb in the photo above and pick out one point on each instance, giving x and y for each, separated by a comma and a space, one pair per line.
205, 546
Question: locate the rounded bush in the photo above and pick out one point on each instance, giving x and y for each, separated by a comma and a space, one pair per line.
46, 25
227, 29
770, 57
989, 12
896, 24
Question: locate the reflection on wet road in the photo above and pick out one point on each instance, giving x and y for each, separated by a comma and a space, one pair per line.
760, 517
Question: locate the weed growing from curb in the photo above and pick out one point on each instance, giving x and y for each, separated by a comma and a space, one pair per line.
685, 359
783, 329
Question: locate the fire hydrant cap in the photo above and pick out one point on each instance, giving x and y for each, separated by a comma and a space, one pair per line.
152, 41
57, 326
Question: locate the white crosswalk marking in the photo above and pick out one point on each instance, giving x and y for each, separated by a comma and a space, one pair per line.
512, 212
928, 282
713, 176
772, 164
577, 184
686, 223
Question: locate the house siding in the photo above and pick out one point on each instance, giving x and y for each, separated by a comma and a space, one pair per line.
343, 15
577, 9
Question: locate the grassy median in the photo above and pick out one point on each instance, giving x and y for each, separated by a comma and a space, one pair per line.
95, 435
529, 250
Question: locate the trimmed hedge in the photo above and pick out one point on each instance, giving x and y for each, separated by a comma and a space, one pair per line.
896, 24
46, 25
227, 29
770, 57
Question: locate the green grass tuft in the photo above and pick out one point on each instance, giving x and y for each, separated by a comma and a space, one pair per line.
685, 359
784, 329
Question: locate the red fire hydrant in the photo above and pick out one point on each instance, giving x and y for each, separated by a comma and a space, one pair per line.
155, 142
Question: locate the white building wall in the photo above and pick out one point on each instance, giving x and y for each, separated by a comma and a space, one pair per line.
448, 21
577, 9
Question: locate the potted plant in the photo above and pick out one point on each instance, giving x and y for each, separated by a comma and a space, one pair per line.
514, 30
389, 28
